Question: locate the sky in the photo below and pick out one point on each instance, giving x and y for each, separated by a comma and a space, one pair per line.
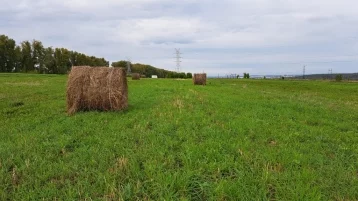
260, 37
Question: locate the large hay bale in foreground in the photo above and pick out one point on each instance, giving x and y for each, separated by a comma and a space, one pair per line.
135, 76
96, 88
199, 79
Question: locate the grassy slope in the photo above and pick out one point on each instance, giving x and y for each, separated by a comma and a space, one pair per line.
232, 139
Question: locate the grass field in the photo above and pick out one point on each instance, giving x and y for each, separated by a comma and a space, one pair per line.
229, 140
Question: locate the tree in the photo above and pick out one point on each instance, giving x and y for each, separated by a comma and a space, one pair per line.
31, 57
7, 54
18, 56
62, 60
246, 75
38, 56
182, 75
26, 57
121, 63
189, 75
339, 77
73, 58
3, 40
49, 61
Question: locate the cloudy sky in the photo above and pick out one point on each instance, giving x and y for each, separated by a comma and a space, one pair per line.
217, 37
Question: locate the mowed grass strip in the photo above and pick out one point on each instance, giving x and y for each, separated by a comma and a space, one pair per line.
228, 140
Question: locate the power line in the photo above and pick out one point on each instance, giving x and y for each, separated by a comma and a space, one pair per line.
312, 62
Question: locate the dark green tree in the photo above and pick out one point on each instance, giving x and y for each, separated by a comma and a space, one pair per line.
121, 63
62, 60
189, 75
18, 57
7, 54
38, 56
182, 75
49, 61
34, 57
26, 57
339, 78
73, 58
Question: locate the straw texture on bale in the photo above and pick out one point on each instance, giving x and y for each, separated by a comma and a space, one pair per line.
199, 79
135, 76
96, 88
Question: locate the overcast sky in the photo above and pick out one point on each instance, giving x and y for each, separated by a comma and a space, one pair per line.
217, 37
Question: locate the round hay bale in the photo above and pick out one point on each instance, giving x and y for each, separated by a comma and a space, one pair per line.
96, 88
199, 79
135, 76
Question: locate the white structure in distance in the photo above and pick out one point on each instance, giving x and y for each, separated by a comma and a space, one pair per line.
154, 76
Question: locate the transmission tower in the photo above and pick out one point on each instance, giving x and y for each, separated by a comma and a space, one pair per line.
177, 61
129, 66
304, 72
330, 72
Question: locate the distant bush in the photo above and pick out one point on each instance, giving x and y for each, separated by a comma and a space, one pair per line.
246, 75
282, 77
339, 78
189, 75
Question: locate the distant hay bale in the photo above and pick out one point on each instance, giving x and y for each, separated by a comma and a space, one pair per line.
96, 88
199, 79
135, 76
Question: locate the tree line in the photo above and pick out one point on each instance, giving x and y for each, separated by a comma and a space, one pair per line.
148, 70
34, 57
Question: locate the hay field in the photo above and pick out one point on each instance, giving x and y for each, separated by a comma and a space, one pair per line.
228, 140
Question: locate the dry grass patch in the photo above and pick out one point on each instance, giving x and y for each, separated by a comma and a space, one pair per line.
178, 103
23, 83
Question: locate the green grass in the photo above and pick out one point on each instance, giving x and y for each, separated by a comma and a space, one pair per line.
229, 140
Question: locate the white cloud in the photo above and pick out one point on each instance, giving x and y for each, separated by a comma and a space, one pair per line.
217, 36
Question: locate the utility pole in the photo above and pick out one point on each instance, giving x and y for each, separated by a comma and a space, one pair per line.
178, 61
304, 72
